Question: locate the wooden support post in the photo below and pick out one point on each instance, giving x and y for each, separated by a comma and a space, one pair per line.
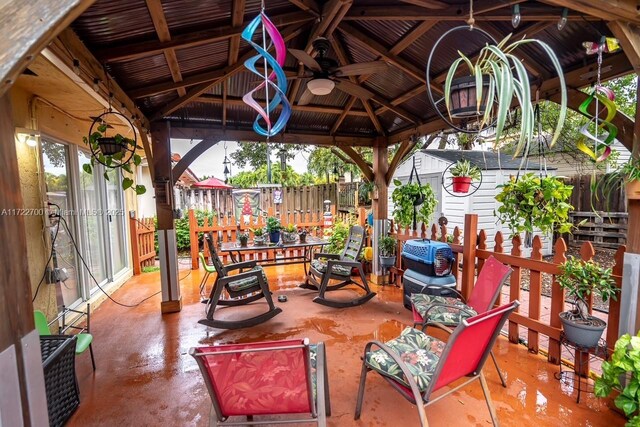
632, 256
379, 204
469, 254
163, 184
23, 400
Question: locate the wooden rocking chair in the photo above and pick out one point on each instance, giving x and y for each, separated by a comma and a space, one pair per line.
325, 267
242, 288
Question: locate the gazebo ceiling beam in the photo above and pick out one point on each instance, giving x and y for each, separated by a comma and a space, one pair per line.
195, 152
236, 101
629, 36
610, 10
237, 15
345, 112
309, 6
164, 35
405, 147
411, 36
427, 4
196, 38
195, 132
287, 34
364, 167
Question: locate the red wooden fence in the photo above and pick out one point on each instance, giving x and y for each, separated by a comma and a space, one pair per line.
142, 242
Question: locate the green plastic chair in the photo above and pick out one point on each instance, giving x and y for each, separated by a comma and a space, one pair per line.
83, 340
208, 269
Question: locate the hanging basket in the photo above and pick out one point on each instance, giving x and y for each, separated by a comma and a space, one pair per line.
463, 101
461, 184
109, 146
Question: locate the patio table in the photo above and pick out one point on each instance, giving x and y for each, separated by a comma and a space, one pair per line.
308, 247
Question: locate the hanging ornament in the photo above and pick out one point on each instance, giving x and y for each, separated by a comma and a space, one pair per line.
600, 95
274, 83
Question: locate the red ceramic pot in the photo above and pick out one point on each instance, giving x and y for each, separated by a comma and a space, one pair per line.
461, 184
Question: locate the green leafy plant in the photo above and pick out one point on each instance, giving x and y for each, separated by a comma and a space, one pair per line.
404, 196
258, 232
290, 228
273, 224
387, 246
364, 193
243, 238
582, 278
534, 202
466, 169
624, 362
507, 77
337, 236
114, 160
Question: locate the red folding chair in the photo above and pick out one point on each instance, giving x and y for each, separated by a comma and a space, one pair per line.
416, 364
265, 378
450, 311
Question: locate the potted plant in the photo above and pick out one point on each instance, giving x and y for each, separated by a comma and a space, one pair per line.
243, 238
273, 228
630, 172
302, 235
387, 251
581, 279
289, 233
535, 202
499, 75
404, 197
623, 363
259, 237
365, 193
111, 151
464, 173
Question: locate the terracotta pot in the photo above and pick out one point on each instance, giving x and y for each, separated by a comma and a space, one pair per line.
461, 184
463, 101
633, 189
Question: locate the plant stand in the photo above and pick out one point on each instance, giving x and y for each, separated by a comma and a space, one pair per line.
584, 356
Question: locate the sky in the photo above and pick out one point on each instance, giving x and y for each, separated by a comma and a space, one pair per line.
210, 162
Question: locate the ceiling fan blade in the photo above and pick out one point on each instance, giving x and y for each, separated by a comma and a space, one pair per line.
307, 60
353, 89
361, 68
306, 97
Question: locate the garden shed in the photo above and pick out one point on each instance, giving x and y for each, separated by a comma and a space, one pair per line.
496, 169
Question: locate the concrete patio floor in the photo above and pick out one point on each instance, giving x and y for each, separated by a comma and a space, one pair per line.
145, 377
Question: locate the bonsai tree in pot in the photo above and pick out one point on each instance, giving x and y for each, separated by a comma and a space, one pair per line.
405, 198
581, 279
289, 233
273, 228
535, 202
464, 173
243, 238
259, 237
623, 362
387, 251
498, 75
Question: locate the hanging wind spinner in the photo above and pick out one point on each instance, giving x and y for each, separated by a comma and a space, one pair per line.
601, 95
274, 83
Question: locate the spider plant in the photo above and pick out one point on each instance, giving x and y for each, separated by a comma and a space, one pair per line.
507, 77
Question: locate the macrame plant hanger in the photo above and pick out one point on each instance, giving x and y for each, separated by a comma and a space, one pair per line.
419, 199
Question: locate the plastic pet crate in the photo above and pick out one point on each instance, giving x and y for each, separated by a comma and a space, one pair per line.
428, 257
58, 362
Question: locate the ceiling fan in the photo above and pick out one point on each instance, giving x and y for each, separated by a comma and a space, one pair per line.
326, 75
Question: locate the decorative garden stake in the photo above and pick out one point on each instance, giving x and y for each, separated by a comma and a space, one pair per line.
279, 87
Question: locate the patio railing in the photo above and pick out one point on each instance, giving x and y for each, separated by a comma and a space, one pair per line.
142, 242
471, 253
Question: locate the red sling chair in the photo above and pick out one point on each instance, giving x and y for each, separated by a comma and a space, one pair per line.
464, 355
265, 378
483, 296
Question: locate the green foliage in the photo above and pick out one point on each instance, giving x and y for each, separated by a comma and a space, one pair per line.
533, 202
403, 197
150, 269
337, 236
290, 228
507, 79
322, 163
182, 228
243, 237
466, 169
55, 182
625, 361
290, 178
113, 160
273, 224
258, 232
254, 154
582, 278
364, 193
387, 246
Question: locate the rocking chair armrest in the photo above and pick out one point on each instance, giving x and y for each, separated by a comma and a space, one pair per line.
425, 317
403, 367
457, 292
228, 279
241, 265
325, 255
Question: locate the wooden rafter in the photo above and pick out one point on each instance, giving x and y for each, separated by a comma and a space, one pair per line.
164, 35
347, 110
427, 4
307, 5
629, 36
237, 16
411, 36
344, 60
236, 101
405, 147
417, 90
364, 167
191, 155
224, 74
195, 38
611, 10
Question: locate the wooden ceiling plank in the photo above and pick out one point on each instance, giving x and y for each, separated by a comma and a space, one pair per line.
427, 4
412, 36
610, 10
310, 6
237, 16
195, 38
417, 90
629, 36
347, 110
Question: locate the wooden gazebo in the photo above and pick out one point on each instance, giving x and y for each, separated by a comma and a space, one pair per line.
176, 68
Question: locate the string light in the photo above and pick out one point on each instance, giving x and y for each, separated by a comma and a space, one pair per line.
76, 67
516, 17
96, 83
562, 22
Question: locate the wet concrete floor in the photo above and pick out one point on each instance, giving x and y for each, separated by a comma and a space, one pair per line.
145, 376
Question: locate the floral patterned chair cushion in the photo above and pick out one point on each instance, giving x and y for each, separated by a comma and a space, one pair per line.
451, 315
247, 282
419, 351
321, 267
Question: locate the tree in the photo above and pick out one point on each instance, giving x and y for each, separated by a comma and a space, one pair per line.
250, 179
323, 162
254, 154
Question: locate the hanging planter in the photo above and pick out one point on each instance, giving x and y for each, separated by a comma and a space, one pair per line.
405, 213
463, 174
113, 151
463, 97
